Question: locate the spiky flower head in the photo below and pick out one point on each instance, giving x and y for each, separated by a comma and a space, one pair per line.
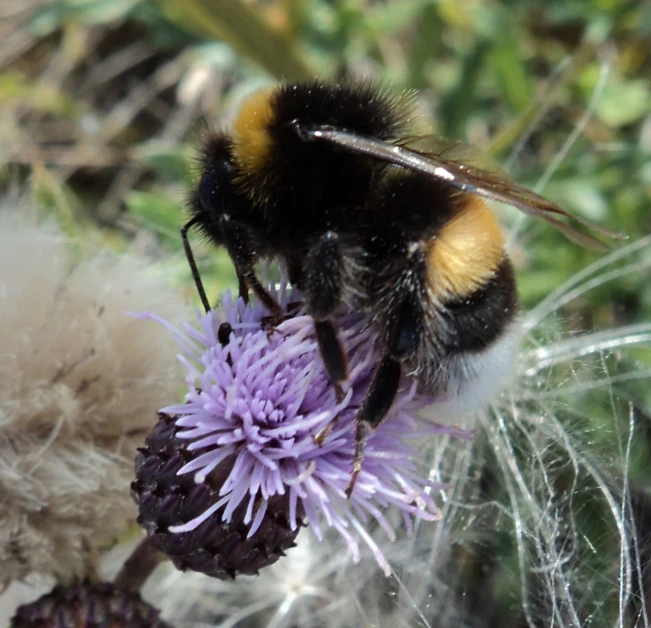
86, 605
256, 400
221, 550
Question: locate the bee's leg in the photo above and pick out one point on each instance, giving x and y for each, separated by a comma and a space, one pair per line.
374, 409
242, 287
294, 276
404, 331
333, 355
381, 393
323, 279
192, 263
238, 244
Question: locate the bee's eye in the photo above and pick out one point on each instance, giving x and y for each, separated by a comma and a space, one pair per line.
208, 190
216, 192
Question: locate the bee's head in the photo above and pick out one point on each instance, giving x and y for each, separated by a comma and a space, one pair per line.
215, 194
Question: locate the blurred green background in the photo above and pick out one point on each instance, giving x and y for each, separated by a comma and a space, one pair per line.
101, 98
102, 101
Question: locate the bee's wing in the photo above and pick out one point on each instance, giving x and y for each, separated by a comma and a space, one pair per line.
453, 150
461, 166
476, 172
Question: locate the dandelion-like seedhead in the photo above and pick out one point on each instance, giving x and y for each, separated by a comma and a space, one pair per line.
79, 383
258, 398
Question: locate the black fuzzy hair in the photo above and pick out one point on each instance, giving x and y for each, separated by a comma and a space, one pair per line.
364, 108
307, 180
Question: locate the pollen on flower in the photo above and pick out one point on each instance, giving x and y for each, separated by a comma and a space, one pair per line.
256, 400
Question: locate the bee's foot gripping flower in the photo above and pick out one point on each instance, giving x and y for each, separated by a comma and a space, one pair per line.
227, 478
87, 604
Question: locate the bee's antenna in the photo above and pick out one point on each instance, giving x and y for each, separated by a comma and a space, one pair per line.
193, 265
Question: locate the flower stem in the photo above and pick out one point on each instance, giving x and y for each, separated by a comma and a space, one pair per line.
138, 567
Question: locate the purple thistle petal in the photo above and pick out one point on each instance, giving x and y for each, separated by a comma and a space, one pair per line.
263, 397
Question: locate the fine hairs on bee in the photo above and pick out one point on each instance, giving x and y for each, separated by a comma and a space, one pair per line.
307, 176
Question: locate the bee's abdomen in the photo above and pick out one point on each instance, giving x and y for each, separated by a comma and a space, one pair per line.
465, 252
477, 320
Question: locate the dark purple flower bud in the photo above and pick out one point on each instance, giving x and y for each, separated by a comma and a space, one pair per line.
216, 548
88, 605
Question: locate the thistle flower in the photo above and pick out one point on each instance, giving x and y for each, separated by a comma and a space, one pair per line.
529, 478
88, 604
256, 401
78, 387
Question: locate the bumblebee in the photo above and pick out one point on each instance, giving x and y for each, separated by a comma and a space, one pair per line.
330, 180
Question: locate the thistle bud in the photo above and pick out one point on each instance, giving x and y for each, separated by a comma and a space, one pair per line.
88, 605
216, 548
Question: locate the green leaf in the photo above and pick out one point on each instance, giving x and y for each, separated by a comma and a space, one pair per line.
623, 102
238, 25
168, 160
460, 101
505, 61
158, 213
55, 14
426, 46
